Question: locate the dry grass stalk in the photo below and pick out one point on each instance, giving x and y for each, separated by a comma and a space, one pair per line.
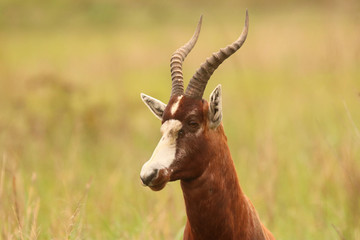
74, 217
17, 209
17, 221
32, 211
341, 236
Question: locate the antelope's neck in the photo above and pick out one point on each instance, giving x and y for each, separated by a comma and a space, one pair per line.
215, 204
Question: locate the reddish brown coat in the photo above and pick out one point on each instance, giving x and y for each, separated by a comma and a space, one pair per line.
216, 206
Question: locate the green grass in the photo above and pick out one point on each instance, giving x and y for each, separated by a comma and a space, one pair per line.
74, 132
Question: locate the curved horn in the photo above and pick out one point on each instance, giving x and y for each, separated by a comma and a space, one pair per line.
176, 62
198, 82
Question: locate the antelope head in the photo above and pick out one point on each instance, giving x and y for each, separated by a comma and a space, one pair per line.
188, 121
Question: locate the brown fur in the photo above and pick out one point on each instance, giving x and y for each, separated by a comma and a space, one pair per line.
216, 207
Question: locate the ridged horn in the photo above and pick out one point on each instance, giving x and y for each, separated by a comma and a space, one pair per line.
176, 62
198, 82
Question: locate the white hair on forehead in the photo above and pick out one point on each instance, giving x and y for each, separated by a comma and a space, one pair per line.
175, 106
170, 126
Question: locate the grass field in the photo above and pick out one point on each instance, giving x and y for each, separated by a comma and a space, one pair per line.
74, 132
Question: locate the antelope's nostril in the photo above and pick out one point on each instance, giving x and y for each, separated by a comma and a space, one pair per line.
147, 179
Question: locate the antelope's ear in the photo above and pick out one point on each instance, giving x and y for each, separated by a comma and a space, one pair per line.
156, 107
215, 107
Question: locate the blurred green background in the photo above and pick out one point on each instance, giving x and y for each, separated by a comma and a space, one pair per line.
74, 132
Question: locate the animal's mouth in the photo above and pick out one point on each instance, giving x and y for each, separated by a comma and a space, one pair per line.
160, 181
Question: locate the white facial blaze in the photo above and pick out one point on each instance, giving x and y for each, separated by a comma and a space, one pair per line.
175, 106
164, 153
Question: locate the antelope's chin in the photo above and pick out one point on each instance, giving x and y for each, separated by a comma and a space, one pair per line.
160, 182
158, 187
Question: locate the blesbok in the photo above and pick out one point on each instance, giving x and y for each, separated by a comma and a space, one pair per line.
193, 149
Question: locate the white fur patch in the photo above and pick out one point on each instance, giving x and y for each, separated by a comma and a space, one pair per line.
175, 106
164, 153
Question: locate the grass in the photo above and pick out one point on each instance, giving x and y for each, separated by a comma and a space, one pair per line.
74, 132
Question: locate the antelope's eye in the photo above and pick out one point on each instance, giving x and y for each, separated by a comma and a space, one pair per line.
193, 124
